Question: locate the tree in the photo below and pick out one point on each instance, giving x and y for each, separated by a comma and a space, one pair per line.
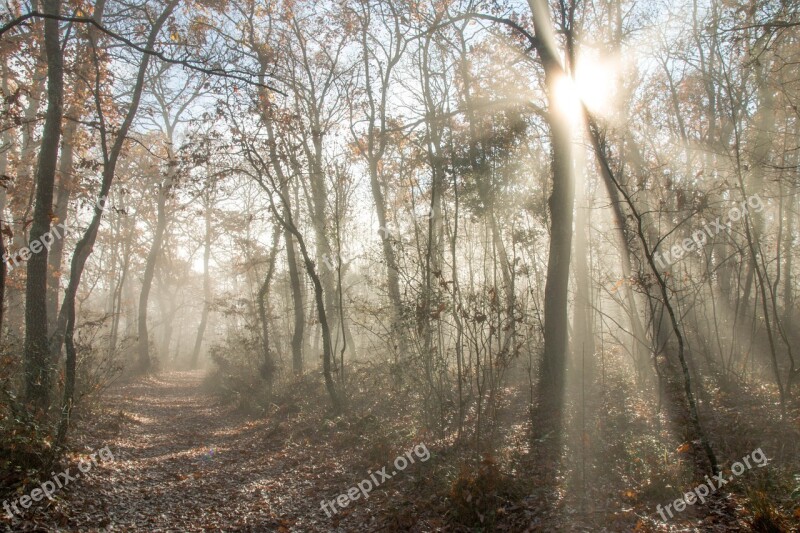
560, 204
37, 354
85, 245
377, 136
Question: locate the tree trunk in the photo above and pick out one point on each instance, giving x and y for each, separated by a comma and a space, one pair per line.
638, 335
268, 366
392, 278
327, 348
2, 269
281, 189
560, 205
376, 147
319, 200
167, 311
37, 355
125, 233
62, 203
665, 306
201, 329
144, 363
298, 304
66, 170
5, 139
582, 312
432, 269
22, 199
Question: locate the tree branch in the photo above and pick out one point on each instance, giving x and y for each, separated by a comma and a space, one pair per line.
532, 40
143, 49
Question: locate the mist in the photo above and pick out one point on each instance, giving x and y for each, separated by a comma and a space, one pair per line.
378, 265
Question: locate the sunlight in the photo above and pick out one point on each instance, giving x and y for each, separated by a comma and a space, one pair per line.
568, 99
594, 82
593, 85
344, 247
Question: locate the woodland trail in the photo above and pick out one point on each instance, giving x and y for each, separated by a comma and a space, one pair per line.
184, 462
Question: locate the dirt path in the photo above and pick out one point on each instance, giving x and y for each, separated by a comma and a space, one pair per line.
183, 462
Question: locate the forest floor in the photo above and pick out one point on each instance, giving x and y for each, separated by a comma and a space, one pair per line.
185, 461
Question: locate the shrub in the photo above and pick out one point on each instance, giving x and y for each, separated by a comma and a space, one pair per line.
474, 493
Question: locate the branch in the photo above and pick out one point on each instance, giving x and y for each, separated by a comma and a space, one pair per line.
185, 63
765, 25
487, 106
532, 40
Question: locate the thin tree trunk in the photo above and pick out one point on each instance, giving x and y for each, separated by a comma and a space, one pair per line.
433, 254
377, 140
583, 331
2, 273
665, 298
327, 348
66, 172
639, 337
167, 311
788, 240
62, 202
298, 303
144, 362
201, 329
268, 367
119, 287
288, 224
5, 136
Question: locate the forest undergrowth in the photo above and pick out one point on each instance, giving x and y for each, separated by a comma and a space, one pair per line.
619, 459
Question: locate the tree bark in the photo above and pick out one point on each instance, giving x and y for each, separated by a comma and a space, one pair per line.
5, 139
560, 203
37, 355
298, 303
66, 170
22, 198
62, 202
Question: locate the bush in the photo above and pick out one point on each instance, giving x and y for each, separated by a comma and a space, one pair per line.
237, 374
766, 518
25, 444
475, 493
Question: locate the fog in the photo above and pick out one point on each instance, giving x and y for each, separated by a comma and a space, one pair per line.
258, 256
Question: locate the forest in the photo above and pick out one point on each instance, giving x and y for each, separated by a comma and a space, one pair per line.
400, 265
